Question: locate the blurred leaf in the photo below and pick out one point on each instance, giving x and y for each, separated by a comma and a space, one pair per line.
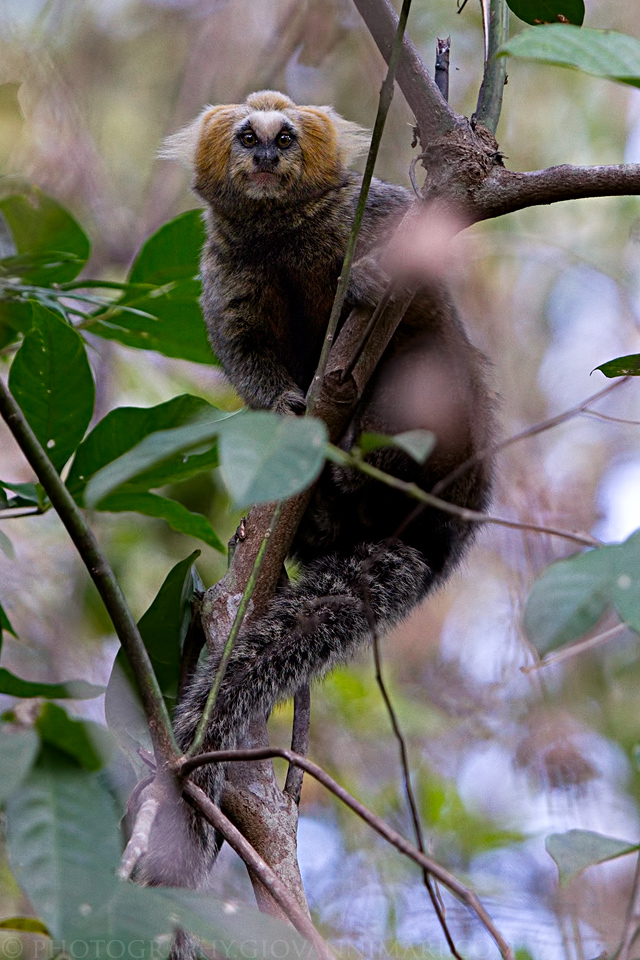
124, 428
548, 11
26, 924
266, 457
603, 53
7, 548
71, 690
173, 252
84, 741
417, 443
28, 494
577, 849
156, 456
176, 514
51, 380
16, 317
18, 749
569, 598
628, 366
63, 841
41, 226
626, 591
175, 328
5, 624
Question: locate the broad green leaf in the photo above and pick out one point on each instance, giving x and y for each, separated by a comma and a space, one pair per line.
175, 514
626, 590
267, 457
63, 841
156, 456
26, 924
27, 494
18, 749
569, 598
603, 53
548, 11
39, 225
176, 327
164, 625
163, 629
628, 366
71, 690
577, 849
172, 252
124, 428
82, 740
417, 443
51, 380
5, 624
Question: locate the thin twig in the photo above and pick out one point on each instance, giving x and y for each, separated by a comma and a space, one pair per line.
262, 870
495, 68
101, 573
524, 435
471, 516
457, 888
576, 648
299, 740
408, 788
203, 724
139, 840
605, 416
386, 95
632, 920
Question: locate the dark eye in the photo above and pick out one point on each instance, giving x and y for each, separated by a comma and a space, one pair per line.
284, 139
248, 138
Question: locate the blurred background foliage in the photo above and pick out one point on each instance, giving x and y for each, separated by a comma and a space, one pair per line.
501, 758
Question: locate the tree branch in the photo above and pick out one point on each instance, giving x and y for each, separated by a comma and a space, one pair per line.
495, 68
259, 867
457, 888
100, 572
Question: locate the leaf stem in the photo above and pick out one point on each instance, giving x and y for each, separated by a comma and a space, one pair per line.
100, 571
203, 724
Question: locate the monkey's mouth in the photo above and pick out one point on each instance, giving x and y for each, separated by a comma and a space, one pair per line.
264, 178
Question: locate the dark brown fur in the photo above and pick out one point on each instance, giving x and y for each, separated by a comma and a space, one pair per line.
280, 203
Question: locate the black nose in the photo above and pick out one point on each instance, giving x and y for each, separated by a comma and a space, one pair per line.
265, 156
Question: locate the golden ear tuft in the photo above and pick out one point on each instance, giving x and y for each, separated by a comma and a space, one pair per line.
269, 100
329, 142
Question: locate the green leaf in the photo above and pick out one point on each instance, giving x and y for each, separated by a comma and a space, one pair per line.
5, 624
548, 11
26, 924
7, 548
266, 457
18, 749
175, 327
156, 456
569, 598
124, 428
577, 849
51, 380
626, 590
417, 443
41, 226
163, 629
175, 514
71, 690
172, 253
82, 740
28, 494
628, 366
603, 53
63, 841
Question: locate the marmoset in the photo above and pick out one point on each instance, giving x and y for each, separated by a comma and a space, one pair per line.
280, 204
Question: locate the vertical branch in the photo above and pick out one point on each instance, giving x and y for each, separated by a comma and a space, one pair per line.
441, 74
299, 740
495, 68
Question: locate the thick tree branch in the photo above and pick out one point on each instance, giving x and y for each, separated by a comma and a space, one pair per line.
434, 116
504, 191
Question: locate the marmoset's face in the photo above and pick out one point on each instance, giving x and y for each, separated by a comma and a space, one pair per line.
266, 158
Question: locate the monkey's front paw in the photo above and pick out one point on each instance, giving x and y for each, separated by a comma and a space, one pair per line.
291, 402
